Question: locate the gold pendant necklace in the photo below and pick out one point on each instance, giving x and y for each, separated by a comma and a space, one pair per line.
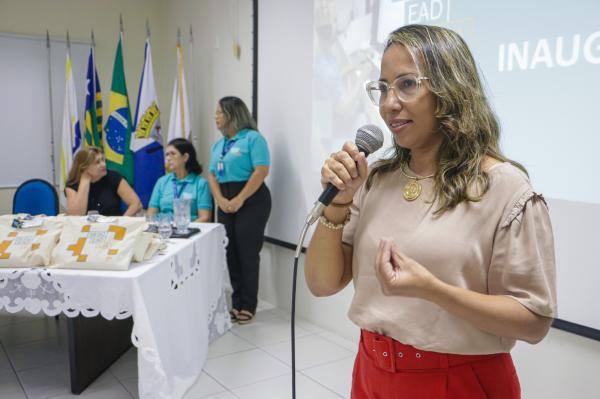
413, 189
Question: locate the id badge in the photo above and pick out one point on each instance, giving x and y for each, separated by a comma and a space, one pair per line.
220, 168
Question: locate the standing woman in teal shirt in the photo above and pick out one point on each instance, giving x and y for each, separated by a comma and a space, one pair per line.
239, 165
183, 182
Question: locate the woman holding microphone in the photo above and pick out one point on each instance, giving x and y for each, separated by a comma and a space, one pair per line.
449, 248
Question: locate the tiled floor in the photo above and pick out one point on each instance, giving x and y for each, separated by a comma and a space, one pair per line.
250, 361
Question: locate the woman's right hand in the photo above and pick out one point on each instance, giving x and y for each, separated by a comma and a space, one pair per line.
86, 177
347, 170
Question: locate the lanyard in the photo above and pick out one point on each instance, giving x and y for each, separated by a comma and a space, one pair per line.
177, 193
226, 147
227, 144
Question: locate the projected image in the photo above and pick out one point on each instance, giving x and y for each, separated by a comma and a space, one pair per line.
349, 37
541, 74
344, 59
540, 62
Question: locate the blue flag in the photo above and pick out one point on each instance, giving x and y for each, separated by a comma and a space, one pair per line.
93, 105
146, 139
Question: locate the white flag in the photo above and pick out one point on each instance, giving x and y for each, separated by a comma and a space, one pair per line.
147, 114
146, 139
179, 120
71, 133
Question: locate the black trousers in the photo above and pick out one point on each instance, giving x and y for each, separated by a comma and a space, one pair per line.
245, 231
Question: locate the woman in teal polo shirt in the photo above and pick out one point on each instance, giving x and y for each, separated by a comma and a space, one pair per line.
183, 182
239, 164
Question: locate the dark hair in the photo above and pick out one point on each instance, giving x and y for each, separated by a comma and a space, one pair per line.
185, 147
237, 116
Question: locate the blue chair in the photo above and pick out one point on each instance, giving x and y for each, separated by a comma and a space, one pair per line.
36, 196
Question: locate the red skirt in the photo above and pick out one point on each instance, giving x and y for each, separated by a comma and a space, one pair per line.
387, 369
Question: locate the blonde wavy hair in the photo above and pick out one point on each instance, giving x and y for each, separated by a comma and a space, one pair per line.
466, 120
82, 160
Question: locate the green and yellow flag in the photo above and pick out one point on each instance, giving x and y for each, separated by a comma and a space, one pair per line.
118, 125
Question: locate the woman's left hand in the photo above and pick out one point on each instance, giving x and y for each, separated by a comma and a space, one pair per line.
235, 204
400, 275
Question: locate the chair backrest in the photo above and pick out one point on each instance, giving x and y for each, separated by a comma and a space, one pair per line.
36, 196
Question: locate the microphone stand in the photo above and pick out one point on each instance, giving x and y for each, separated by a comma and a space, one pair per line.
313, 216
369, 138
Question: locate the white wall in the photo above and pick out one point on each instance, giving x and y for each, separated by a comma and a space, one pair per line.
213, 73
562, 366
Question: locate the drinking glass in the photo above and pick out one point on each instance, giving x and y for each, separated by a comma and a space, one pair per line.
164, 227
152, 221
182, 213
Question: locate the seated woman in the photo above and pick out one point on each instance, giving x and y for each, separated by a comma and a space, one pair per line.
90, 187
183, 181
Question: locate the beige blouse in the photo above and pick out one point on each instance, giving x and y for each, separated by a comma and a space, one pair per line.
501, 245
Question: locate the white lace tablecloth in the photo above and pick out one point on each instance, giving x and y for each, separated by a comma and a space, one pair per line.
177, 302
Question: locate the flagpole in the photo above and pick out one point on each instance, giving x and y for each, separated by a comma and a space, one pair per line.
121, 31
94, 71
52, 155
121, 26
195, 89
93, 93
180, 81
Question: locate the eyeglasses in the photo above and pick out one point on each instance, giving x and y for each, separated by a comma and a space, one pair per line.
406, 87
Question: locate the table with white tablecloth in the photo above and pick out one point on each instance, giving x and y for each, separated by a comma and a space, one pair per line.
177, 301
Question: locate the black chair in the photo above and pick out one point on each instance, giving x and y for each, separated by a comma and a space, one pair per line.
36, 196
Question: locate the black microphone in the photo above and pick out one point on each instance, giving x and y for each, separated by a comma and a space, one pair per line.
369, 139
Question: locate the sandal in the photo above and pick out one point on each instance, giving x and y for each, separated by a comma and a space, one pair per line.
234, 313
245, 317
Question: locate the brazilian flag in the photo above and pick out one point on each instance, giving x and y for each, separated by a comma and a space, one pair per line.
118, 125
93, 105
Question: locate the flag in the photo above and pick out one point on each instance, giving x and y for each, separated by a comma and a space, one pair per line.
117, 132
71, 132
179, 120
93, 105
146, 140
